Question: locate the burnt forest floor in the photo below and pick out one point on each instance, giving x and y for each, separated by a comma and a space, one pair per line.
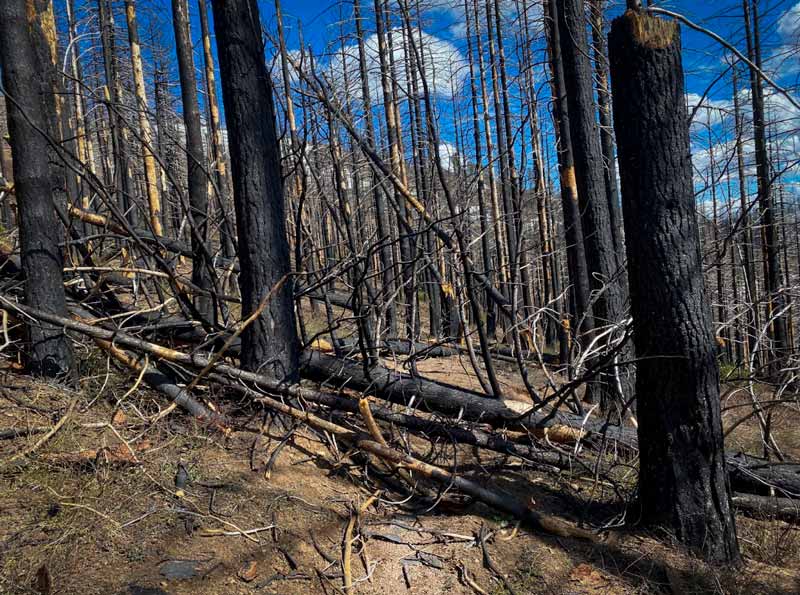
93, 508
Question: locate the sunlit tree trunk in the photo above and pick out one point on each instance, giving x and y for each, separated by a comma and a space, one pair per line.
150, 166
27, 53
683, 484
270, 344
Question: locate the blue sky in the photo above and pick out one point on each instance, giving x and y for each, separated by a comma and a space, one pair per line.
323, 23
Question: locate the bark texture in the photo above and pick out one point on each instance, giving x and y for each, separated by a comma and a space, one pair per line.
614, 386
270, 344
195, 156
682, 477
28, 68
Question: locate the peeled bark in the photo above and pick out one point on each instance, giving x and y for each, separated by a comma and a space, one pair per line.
150, 167
270, 344
682, 476
28, 70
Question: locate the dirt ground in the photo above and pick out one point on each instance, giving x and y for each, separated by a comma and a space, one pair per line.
93, 509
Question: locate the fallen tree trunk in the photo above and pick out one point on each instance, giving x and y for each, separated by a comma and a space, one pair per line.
421, 350
495, 498
758, 476
747, 473
433, 396
786, 509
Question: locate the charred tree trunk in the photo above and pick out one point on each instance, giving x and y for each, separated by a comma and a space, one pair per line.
113, 97
682, 476
269, 344
604, 115
29, 76
165, 124
573, 228
381, 211
776, 299
198, 188
601, 256
751, 301
484, 215
227, 237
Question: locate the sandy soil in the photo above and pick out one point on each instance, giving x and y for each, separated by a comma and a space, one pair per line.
85, 513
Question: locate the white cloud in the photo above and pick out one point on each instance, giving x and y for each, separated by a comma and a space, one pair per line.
789, 23
710, 111
296, 58
508, 9
445, 67
783, 120
449, 155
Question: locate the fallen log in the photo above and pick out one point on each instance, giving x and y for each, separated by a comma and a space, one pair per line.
758, 476
162, 383
747, 473
495, 498
425, 394
759, 507
433, 429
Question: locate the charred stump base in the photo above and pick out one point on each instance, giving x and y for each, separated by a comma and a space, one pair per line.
683, 485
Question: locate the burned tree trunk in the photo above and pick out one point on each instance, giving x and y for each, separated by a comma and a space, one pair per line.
198, 187
382, 219
28, 69
601, 256
270, 344
770, 236
227, 238
604, 115
150, 165
682, 476
573, 230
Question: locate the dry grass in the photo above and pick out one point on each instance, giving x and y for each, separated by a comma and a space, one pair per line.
108, 528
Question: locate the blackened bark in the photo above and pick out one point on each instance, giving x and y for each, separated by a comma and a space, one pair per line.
270, 344
682, 476
573, 229
119, 136
381, 211
604, 116
484, 215
195, 156
601, 256
751, 300
222, 179
770, 236
28, 70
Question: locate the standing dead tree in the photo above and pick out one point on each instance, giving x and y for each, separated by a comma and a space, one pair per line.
682, 475
270, 344
27, 55
601, 257
198, 183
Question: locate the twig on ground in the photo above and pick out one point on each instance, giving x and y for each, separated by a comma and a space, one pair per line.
53, 431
